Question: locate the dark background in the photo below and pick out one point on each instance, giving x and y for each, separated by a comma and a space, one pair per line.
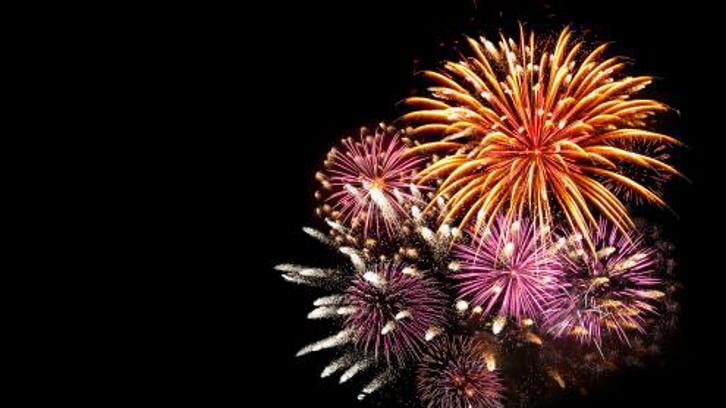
325, 68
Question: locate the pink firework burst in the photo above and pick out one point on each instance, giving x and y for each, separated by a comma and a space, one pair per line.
610, 291
454, 374
367, 182
507, 269
394, 309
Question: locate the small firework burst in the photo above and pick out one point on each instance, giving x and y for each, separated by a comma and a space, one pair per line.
455, 374
366, 184
613, 290
534, 125
392, 308
507, 269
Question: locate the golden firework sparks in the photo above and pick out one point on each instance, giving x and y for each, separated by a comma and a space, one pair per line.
524, 126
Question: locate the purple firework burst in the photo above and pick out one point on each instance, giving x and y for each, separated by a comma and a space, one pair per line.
611, 290
454, 374
367, 183
394, 309
507, 269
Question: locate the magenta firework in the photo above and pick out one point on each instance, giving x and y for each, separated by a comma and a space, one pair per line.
611, 291
367, 182
507, 269
454, 374
393, 306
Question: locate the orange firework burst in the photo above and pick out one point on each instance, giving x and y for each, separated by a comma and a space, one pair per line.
525, 127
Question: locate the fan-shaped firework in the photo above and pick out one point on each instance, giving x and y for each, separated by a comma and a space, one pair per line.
610, 291
367, 182
454, 374
528, 126
394, 310
507, 269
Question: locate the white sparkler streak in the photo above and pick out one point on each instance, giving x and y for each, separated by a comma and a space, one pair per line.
373, 386
355, 258
317, 235
374, 279
607, 251
508, 250
353, 370
389, 327
329, 300
625, 265
387, 210
454, 266
444, 231
335, 225
398, 196
340, 363
335, 340
355, 193
441, 203
491, 361
427, 235
432, 332
416, 213
403, 314
410, 271
456, 232
289, 268
415, 191
297, 279
498, 324
322, 312
316, 272
516, 226
461, 305
638, 257
491, 49
346, 310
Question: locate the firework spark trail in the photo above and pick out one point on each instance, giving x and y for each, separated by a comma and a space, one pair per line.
342, 337
610, 291
338, 364
378, 382
318, 235
507, 269
366, 182
354, 370
526, 125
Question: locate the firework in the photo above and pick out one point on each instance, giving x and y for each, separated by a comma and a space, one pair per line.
612, 291
507, 269
455, 374
527, 126
393, 307
367, 182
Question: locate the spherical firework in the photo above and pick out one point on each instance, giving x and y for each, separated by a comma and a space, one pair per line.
367, 182
526, 126
507, 269
394, 309
454, 374
611, 291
